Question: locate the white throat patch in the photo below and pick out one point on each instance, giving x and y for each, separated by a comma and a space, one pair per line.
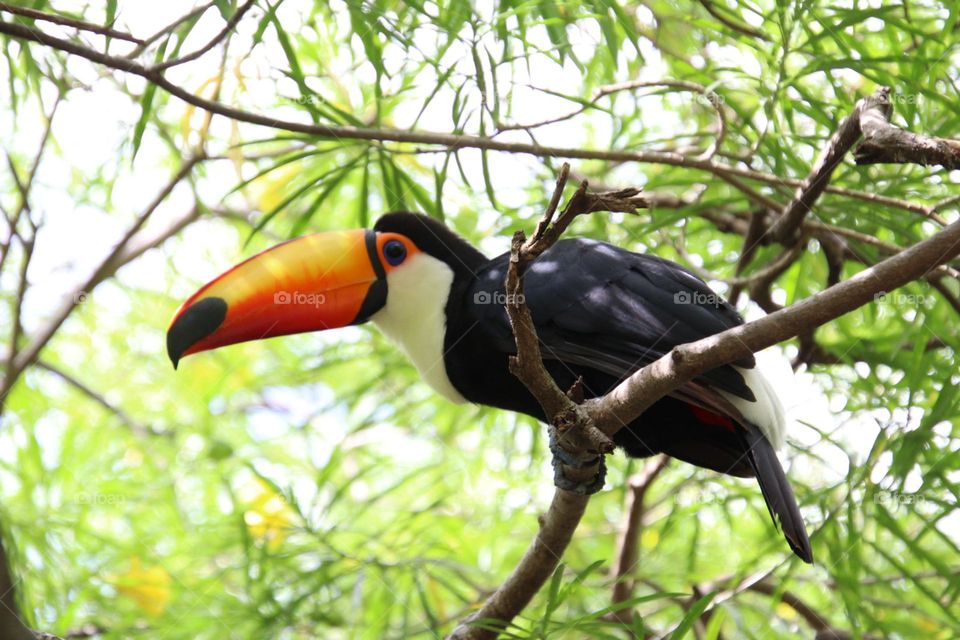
414, 317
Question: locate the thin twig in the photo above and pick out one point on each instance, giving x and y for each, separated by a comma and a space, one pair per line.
120, 254
816, 620
135, 427
683, 85
227, 29
732, 24
170, 27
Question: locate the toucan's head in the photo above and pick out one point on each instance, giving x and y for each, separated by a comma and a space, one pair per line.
321, 281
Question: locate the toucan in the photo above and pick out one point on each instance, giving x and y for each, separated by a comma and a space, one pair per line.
601, 312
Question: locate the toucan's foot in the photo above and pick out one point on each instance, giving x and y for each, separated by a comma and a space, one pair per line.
562, 458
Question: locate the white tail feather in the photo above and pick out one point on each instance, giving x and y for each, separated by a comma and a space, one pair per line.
767, 412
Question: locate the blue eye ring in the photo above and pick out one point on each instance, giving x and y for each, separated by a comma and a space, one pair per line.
395, 252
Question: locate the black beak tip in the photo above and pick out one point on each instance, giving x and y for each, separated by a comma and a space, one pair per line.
195, 323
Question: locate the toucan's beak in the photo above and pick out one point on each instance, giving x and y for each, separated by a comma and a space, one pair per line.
316, 282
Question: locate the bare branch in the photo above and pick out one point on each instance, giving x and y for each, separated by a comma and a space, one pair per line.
683, 85
885, 143
122, 252
134, 426
816, 620
11, 626
170, 27
785, 229
576, 434
629, 537
69, 22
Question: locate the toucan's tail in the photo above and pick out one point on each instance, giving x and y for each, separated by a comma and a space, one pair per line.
777, 492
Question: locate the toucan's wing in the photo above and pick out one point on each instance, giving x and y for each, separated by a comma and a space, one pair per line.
607, 308
598, 306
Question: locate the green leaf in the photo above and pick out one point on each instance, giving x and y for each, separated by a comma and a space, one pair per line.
692, 615
146, 108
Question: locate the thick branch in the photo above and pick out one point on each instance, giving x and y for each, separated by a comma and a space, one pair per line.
11, 626
884, 142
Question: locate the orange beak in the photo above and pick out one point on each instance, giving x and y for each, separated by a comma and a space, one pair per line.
321, 281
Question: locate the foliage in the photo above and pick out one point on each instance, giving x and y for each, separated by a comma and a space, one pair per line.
311, 486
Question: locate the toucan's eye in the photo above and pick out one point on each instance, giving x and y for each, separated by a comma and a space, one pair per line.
394, 252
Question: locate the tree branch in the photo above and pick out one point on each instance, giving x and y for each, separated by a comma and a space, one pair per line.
134, 426
170, 27
882, 143
682, 85
576, 434
628, 539
11, 626
69, 22
634, 395
786, 227
732, 24
123, 252
452, 142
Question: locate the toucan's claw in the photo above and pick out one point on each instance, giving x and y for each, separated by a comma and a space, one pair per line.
563, 458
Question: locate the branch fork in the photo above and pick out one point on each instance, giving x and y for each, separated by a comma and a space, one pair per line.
579, 445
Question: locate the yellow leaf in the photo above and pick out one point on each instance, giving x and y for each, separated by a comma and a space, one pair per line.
149, 587
212, 87
268, 517
786, 612
649, 538
272, 186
